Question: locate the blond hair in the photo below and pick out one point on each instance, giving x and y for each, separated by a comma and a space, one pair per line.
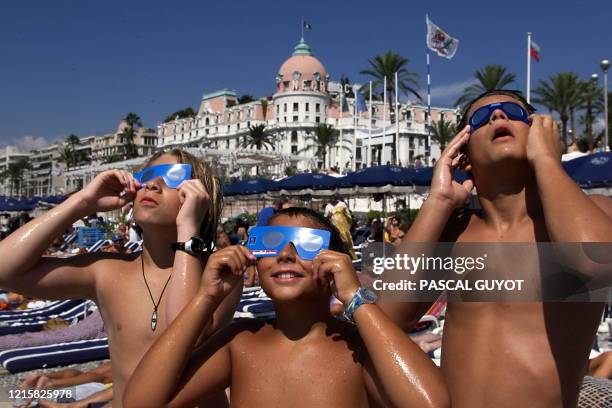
212, 185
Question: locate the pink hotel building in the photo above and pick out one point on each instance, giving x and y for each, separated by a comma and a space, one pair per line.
304, 98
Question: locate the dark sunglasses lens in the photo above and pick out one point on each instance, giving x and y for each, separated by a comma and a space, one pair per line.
479, 116
513, 110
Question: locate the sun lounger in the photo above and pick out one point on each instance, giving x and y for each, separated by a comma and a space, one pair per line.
30, 358
254, 303
75, 312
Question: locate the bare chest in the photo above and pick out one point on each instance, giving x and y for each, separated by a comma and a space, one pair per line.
276, 375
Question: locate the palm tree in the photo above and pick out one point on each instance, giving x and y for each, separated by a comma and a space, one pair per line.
258, 138
593, 103
180, 114
132, 120
14, 173
489, 78
562, 93
128, 134
385, 66
324, 137
127, 137
443, 131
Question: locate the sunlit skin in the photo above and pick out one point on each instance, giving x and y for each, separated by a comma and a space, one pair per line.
115, 281
306, 358
514, 354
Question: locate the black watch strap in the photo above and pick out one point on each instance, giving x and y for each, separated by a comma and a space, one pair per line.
194, 246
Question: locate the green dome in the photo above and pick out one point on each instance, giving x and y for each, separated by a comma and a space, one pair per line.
302, 48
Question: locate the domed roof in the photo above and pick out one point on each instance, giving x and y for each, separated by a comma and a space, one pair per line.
301, 66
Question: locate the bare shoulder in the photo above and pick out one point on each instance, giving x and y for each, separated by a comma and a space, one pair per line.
244, 332
107, 265
603, 202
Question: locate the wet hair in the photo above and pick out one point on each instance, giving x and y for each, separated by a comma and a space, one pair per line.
335, 242
212, 185
463, 121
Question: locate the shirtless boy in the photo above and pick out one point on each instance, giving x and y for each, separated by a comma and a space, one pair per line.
127, 288
512, 354
306, 358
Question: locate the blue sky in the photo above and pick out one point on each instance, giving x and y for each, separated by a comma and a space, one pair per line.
75, 66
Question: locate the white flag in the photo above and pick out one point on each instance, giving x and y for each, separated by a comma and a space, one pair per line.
440, 42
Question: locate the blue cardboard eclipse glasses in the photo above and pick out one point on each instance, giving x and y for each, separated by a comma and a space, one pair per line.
172, 174
481, 116
269, 241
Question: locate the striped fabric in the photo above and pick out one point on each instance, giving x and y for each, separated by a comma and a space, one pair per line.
254, 303
30, 358
70, 311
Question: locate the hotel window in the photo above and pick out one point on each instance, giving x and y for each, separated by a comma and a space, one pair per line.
248, 124
307, 85
295, 106
294, 136
307, 107
238, 126
206, 131
318, 119
294, 149
207, 122
285, 107
228, 128
277, 110
295, 118
358, 153
227, 144
317, 107
216, 129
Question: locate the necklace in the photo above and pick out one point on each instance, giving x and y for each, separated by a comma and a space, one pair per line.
154, 315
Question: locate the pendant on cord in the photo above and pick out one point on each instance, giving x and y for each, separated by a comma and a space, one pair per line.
154, 320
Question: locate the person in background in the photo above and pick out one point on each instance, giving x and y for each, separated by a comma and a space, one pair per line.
267, 212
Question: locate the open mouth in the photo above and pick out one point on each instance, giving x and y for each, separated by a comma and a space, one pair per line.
502, 132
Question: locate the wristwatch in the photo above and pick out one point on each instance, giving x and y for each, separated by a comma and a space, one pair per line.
361, 297
194, 246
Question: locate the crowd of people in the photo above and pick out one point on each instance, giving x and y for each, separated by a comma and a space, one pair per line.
167, 307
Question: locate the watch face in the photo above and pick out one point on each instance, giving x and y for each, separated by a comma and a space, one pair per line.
197, 245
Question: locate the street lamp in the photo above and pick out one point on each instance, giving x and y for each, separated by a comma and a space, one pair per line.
605, 64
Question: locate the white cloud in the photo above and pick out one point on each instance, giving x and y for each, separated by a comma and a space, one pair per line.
598, 125
27, 143
452, 90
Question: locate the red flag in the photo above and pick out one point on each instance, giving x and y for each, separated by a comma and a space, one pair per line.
535, 51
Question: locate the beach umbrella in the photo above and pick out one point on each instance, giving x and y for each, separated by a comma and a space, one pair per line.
423, 175
250, 187
308, 181
591, 171
377, 176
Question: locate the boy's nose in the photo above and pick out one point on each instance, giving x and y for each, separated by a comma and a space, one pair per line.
154, 185
498, 114
287, 254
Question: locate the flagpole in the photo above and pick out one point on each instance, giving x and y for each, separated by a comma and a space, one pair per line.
428, 148
354, 150
370, 129
382, 153
342, 96
528, 68
396, 146
302, 29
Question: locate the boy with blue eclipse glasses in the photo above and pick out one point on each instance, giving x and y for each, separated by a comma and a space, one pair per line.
306, 357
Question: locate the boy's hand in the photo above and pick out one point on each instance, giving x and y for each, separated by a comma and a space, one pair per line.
443, 186
337, 269
543, 141
109, 190
194, 202
224, 270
